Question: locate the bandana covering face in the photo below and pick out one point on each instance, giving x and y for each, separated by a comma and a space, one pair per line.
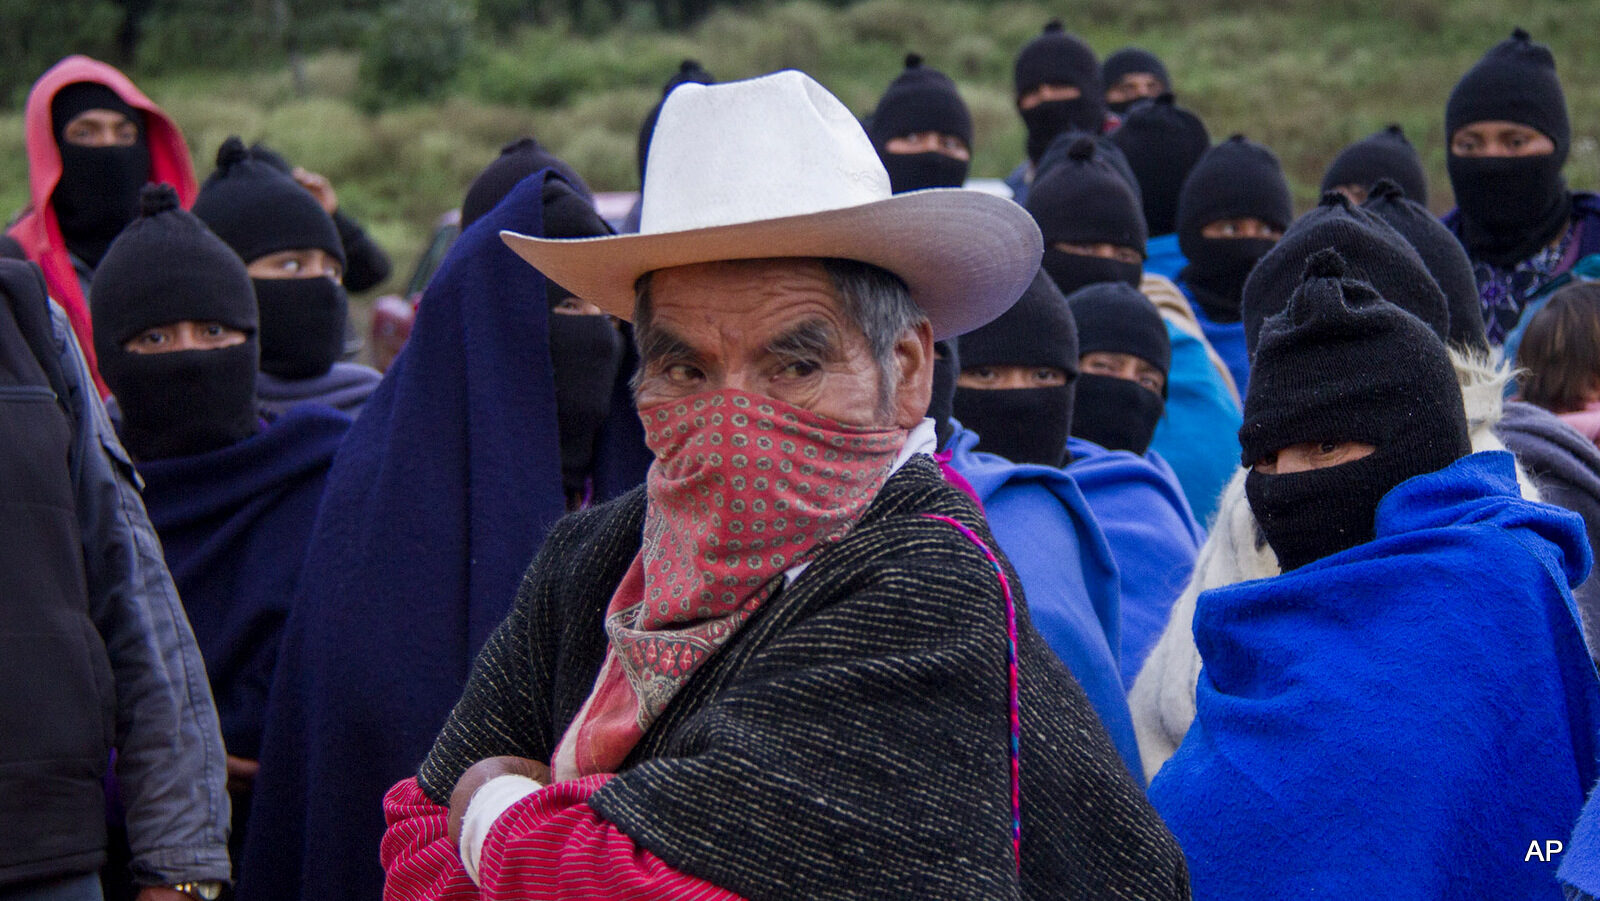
743, 488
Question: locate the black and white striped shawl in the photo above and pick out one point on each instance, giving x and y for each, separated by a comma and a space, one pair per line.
851, 741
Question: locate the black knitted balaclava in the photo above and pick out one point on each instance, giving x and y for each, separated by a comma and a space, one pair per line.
1441, 253
518, 160
1116, 413
585, 350
1162, 143
1024, 425
1342, 364
946, 364
98, 192
1235, 179
920, 99
1127, 61
1056, 57
1084, 200
1373, 252
1386, 154
167, 267
257, 210
689, 72
1511, 206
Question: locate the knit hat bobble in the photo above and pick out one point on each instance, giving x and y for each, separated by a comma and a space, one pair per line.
1368, 247
1386, 154
258, 210
1444, 256
167, 267
919, 99
1056, 57
1515, 81
1115, 318
1162, 142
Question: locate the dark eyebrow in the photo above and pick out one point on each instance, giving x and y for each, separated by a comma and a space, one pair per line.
657, 343
812, 339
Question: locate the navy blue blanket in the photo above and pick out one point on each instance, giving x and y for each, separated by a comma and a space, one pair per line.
437, 502
234, 525
1399, 720
1069, 578
1152, 535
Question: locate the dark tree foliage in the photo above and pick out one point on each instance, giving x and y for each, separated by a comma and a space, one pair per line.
34, 34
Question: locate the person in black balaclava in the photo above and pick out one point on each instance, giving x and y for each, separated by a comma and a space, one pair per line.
1124, 355
1132, 74
922, 130
1090, 219
1057, 88
518, 160
1162, 142
1384, 154
1443, 255
587, 349
167, 281
1325, 439
946, 365
1506, 122
1375, 253
105, 160
1233, 208
366, 265
296, 260
1015, 386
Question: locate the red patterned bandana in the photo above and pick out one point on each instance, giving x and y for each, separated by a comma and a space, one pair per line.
743, 488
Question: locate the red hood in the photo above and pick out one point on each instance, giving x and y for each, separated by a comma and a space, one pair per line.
37, 230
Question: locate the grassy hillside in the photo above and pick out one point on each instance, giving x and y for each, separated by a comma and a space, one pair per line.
1304, 76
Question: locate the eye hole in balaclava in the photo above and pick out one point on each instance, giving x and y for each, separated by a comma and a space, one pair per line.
1022, 424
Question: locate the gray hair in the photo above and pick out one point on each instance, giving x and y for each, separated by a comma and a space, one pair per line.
876, 300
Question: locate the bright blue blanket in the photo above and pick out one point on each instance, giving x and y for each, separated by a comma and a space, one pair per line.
1069, 577
1198, 435
1399, 720
1152, 535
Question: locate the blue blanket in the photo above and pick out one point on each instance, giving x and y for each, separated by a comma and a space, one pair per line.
1198, 435
1152, 535
1069, 578
441, 495
1164, 257
233, 526
1227, 339
1399, 720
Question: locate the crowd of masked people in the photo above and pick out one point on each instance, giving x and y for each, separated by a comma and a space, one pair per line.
824, 530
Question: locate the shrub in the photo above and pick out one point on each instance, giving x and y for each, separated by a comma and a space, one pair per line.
34, 35
413, 51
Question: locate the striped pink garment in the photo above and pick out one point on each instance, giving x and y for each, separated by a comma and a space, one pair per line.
550, 845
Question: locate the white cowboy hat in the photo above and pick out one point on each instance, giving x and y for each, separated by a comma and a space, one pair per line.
777, 167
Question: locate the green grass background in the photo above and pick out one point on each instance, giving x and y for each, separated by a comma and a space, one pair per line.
1303, 76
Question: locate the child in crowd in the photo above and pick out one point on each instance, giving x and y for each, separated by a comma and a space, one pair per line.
1560, 358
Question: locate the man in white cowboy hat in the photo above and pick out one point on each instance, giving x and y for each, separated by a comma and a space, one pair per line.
793, 664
